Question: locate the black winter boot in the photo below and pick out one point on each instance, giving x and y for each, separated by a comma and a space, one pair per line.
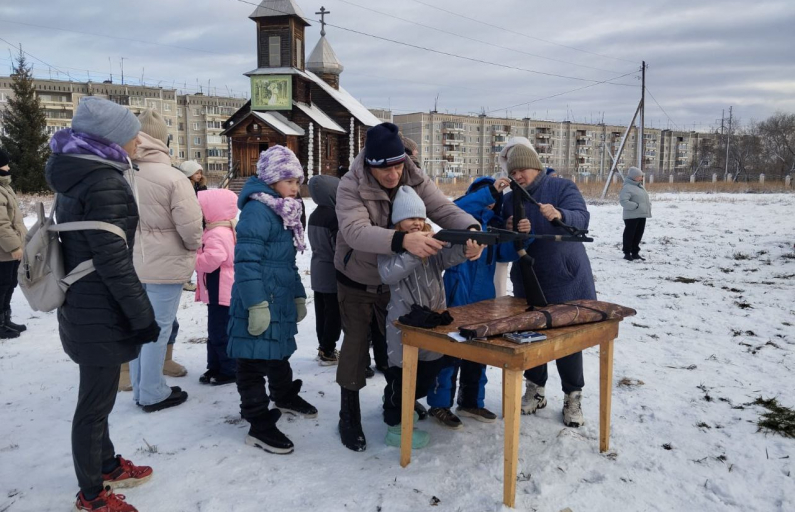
6, 332
12, 325
292, 403
264, 434
350, 425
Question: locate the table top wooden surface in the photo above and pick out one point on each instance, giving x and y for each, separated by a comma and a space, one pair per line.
499, 308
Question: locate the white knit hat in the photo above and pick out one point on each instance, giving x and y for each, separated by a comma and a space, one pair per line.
190, 167
407, 205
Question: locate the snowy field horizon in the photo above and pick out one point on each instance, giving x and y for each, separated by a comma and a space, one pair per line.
714, 332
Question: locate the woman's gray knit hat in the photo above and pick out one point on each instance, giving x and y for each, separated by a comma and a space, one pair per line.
407, 205
106, 119
634, 172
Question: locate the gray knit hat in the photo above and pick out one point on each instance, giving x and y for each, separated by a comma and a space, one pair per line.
106, 119
522, 157
407, 205
153, 124
190, 167
634, 173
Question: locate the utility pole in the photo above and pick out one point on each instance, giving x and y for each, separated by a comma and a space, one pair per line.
641, 141
122, 70
728, 137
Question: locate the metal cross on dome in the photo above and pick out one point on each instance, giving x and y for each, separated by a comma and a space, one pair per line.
322, 14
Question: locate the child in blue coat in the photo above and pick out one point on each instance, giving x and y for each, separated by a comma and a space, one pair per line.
268, 299
469, 282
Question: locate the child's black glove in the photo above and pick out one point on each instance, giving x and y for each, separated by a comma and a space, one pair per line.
147, 334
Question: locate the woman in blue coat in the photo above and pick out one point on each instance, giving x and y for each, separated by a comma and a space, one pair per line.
469, 282
563, 268
268, 299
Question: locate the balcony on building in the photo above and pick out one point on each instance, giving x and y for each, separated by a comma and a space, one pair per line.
452, 127
61, 113
452, 139
453, 151
500, 129
56, 100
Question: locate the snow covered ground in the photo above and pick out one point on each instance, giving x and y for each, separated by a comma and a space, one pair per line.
682, 438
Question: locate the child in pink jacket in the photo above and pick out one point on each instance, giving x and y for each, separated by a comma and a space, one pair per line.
215, 269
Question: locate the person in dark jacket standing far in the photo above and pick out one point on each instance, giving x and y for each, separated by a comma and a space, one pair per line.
563, 269
12, 239
637, 208
364, 204
322, 233
106, 315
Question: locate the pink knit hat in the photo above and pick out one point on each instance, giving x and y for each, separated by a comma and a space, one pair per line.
279, 163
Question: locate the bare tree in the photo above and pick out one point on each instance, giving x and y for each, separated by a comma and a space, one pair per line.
778, 139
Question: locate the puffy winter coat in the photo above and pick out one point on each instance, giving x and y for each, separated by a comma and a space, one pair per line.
171, 220
563, 268
12, 229
635, 200
103, 308
473, 281
364, 209
265, 270
215, 259
322, 233
414, 280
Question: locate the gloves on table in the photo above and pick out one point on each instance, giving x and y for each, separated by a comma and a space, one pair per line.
259, 318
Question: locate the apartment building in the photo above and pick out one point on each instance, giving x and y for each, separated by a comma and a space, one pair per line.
461, 145
199, 126
383, 115
193, 120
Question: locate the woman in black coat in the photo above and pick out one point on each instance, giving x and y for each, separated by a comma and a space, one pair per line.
106, 315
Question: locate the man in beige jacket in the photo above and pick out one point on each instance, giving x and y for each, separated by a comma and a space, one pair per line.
164, 253
364, 205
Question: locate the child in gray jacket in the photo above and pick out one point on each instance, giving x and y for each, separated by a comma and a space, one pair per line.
413, 280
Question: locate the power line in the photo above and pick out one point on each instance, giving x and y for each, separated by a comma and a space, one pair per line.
32, 56
558, 94
663, 110
448, 54
96, 34
473, 39
519, 33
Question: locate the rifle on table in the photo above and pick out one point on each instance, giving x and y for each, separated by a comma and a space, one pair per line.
495, 236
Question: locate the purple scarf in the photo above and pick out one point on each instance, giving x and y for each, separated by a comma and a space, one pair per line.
71, 142
289, 210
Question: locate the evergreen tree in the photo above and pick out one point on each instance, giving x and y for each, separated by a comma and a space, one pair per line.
24, 135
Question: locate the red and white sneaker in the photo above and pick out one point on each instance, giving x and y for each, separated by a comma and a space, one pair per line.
126, 475
107, 501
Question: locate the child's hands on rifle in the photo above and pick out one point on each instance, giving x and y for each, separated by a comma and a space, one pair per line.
522, 227
473, 250
549, 212
422, 244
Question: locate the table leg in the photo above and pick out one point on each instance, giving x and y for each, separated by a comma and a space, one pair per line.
605, 393
512, 404
410, 355
503, 392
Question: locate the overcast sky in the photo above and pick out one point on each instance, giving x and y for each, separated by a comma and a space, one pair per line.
702, 56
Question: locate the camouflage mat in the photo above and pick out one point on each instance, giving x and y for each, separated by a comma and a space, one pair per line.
575, 312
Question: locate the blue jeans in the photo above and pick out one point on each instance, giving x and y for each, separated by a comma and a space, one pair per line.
146, 372
472, 385
174, 331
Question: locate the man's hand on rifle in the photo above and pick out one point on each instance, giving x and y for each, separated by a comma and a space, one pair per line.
422, 244
522, 227
549, 212
501, 184
473, 250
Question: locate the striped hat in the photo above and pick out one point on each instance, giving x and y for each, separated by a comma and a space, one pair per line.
383, 147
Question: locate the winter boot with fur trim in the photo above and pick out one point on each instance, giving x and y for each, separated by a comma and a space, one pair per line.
533, 398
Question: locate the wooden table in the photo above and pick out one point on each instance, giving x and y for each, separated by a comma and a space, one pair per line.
513, 359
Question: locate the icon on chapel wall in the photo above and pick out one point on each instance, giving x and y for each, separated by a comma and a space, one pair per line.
271, 92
